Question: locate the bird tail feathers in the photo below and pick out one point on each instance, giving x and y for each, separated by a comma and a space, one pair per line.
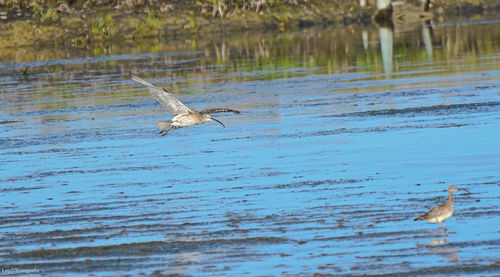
164, 124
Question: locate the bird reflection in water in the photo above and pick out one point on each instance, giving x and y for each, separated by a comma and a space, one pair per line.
438, 246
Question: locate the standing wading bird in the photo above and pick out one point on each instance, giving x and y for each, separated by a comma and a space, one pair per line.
443, 211
183, 115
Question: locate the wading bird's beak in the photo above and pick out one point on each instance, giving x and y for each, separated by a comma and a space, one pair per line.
218, 121
464, 190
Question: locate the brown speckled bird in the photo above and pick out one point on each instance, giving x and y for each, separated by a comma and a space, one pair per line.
442, 212
183, 115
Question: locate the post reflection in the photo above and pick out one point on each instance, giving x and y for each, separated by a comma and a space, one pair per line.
386, 48
427, 37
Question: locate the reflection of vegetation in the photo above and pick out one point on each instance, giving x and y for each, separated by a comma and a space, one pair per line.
101, 50
328, 51
282, 55
202, 64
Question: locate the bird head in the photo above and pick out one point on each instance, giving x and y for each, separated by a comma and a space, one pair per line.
454, 189
208, 117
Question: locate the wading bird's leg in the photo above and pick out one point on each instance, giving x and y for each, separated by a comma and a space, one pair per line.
444, 226
168, 131
164, 125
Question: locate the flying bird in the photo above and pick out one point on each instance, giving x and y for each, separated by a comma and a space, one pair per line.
183, 115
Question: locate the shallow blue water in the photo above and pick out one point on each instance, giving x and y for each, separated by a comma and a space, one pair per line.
321, 172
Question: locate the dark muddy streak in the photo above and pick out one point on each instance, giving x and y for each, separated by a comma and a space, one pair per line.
428, 111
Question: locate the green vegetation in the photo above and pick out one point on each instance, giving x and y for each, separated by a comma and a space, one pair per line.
79, 23
50, 15
45, 10
102, 26
150, 26
192, 20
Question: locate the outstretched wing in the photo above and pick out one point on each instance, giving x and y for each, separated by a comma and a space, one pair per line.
170, 102
219, 110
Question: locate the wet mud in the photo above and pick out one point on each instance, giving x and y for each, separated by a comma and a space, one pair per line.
322, 172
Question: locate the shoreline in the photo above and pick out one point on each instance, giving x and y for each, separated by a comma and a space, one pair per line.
79, 28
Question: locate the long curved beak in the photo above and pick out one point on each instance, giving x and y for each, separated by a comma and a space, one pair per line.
464, 190
218, 122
